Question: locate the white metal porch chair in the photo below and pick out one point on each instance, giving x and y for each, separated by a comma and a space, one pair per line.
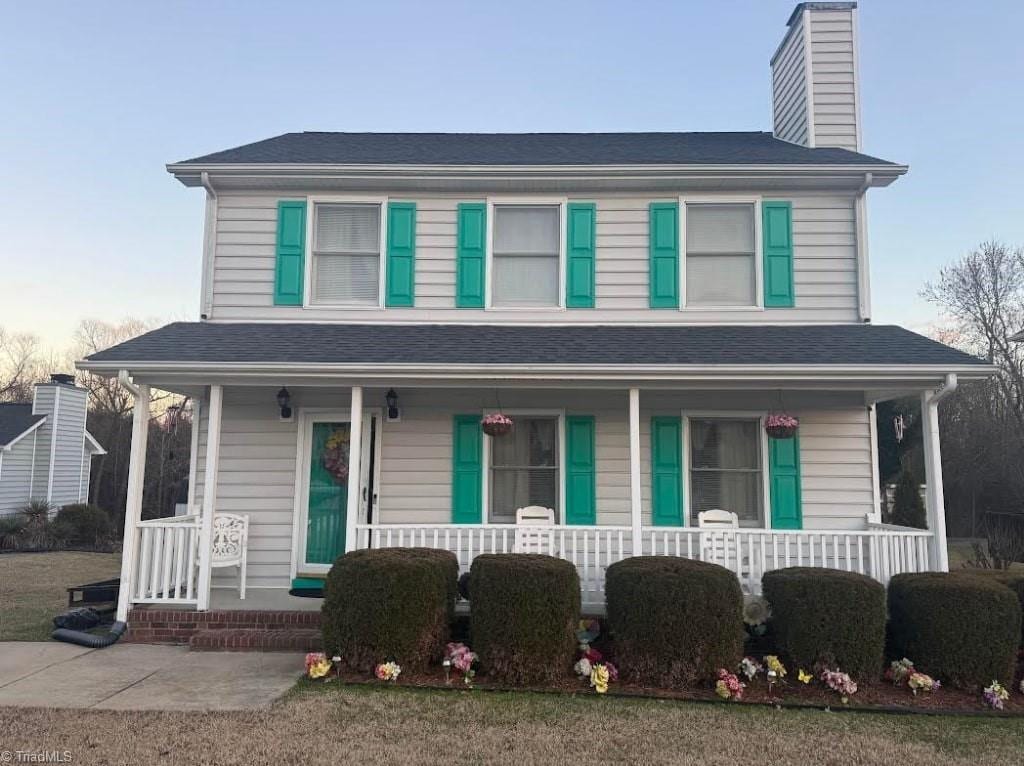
529, 539
230, 545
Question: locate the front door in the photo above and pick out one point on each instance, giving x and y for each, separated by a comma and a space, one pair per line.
324, 501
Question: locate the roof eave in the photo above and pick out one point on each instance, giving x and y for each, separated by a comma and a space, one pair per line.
7, 447
190, 174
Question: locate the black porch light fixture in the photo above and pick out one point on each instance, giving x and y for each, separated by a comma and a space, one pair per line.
392, 400
284, 401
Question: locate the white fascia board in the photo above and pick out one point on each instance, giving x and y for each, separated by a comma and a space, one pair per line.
97, 448
7, 447
191, 175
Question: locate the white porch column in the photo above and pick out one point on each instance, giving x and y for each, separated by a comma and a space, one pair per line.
354, 453
635, 493
210, 480
935, 502
133, 506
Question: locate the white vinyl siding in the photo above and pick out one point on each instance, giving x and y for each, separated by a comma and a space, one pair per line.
16, 476
67, 457
824, 265
258, 457
789, 89
833, 79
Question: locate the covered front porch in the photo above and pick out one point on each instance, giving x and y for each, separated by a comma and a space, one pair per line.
403, 481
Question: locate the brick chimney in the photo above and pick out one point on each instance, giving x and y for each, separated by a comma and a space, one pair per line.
815, 98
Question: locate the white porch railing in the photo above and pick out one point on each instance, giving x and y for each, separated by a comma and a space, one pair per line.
166, 555
879, 551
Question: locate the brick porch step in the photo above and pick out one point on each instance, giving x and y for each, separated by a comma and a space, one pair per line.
256, 640
148, 625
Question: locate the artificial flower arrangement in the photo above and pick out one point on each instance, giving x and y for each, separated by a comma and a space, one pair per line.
839, 682
995, 695
317, 665
750, 668
591, 666
459, 656
728, 686
388, 671
756, 613
780, 425
903, 673
496, 424
775, 667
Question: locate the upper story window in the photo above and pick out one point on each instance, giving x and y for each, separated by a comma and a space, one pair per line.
346, 255
725, 467
721, 266
525, 256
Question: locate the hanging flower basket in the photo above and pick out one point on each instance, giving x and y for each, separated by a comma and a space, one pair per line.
496, 424
780, 425
335, 456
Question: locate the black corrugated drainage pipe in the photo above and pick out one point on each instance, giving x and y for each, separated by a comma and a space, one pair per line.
90, 640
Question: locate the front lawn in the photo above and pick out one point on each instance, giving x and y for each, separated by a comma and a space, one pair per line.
332, 724
33, 588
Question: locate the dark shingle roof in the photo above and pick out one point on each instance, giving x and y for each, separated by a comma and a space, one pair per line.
16, 419
299, 343
740, 148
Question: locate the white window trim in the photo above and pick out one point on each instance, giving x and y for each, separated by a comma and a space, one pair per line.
754, 200
348, 199
486, 462
492, 201
688, 415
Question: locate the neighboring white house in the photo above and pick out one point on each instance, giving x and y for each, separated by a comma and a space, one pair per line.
45, 452
638, 303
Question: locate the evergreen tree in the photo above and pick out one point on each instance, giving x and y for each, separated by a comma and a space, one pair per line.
907, 506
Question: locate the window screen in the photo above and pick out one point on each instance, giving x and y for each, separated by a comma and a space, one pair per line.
346, 254
720, 251
524, 468
525, 255
725, 468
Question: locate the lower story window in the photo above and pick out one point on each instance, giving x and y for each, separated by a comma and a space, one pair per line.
725, 468
524, 468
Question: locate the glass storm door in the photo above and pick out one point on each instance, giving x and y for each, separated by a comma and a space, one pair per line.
324, 503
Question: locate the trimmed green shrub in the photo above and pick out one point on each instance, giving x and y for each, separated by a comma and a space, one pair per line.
389, 604
963, 630
673, 620
827, 617
524, 611
82, 524
1011, 578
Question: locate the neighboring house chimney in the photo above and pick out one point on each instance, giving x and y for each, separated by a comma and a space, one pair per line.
815, 98
61, 456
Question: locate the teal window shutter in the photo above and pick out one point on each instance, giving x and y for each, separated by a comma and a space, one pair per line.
784, 481
581, 225
580, 481
470, 255
291, 253
401, 263
777, 233
667, 471
467, 470
663, 242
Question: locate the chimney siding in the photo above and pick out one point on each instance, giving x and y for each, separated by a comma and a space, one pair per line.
814, 78
60, 445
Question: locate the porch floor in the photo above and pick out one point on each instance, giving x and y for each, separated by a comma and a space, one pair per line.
262, 599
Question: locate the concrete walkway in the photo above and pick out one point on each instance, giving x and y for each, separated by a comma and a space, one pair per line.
142, 677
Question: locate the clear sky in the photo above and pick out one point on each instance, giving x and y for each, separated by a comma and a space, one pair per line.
98, 96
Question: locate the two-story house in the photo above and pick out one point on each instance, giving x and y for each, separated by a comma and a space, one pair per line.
636, 303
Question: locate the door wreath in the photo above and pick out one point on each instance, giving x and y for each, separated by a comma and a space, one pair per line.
335, 455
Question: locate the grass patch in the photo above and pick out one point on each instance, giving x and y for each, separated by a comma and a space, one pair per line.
331, 724
33, 588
